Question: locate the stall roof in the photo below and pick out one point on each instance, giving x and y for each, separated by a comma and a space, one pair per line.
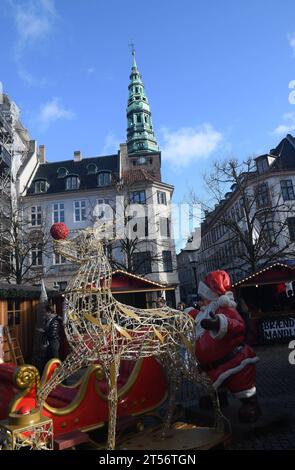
123, 282
23, 291
273, 274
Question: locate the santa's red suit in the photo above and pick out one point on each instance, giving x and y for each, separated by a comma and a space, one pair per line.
220, 331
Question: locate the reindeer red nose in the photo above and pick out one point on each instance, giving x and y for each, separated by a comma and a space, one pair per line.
59, 231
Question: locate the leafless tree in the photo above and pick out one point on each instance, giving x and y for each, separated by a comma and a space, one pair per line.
134, 244
247, 218
22, 245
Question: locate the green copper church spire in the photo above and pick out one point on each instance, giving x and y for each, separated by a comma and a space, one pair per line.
140, 133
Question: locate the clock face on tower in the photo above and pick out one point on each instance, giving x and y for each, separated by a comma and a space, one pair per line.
141, 161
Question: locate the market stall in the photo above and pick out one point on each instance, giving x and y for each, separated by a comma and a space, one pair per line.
270, 297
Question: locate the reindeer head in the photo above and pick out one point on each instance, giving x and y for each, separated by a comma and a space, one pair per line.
86, 245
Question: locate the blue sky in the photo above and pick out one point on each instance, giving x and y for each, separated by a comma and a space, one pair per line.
216, 75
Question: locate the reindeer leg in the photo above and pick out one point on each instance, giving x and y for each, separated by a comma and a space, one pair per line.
73, 362
218, 416
172, 386
111, 373
205, 381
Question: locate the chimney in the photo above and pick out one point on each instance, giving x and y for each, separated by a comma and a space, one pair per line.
77, 156
42, 154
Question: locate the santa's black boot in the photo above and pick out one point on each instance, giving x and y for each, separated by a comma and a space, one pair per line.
250, 410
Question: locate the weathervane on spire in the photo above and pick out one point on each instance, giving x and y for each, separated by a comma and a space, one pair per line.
132, 46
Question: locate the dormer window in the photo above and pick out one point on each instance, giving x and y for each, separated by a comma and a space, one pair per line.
91, 169
104, 178
61, 172
262, 165
40, 186
72, 182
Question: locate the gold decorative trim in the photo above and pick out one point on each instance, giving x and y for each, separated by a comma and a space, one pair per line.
78, 398
24, 378
46, 370
130, 382
16, 419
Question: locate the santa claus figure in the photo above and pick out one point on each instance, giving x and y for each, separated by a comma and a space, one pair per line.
220, 347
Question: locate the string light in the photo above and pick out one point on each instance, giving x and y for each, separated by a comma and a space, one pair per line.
260, 272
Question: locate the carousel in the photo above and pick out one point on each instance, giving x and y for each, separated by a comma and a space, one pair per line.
130, 361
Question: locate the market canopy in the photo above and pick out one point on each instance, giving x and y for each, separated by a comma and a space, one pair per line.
125, 282
273, 274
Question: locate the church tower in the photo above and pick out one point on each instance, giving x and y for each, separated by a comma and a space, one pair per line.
140, 132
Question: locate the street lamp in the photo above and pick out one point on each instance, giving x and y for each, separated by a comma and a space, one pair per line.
192, 261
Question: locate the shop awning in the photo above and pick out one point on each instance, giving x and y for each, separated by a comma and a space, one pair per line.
273, 274
124, 282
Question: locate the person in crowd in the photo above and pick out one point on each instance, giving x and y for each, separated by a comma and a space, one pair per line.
181, 306
52, 333
160, 302
245, 313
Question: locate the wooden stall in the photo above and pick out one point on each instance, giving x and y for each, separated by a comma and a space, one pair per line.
139, 291
18, 307
270, 297
18, 310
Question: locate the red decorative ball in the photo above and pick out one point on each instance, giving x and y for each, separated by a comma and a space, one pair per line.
24, 410
59, 231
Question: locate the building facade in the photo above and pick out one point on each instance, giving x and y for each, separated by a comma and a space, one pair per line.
125, 189
270, 188
187, 265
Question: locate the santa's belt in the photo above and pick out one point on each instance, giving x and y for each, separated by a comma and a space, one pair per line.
214, 364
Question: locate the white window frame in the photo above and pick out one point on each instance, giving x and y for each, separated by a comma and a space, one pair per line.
69, 182
36, 248
58, 259
80, 207
91, 165
59, 212
161, 196
102, 174
38, 189
35, 212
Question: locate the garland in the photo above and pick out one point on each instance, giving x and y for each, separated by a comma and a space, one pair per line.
18, 293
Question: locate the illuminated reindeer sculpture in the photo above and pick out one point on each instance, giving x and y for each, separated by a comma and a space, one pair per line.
99, 328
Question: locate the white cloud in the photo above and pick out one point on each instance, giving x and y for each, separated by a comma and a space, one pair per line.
287, 126
187, 145
90, 70
111, 145
53, 111
291, 38
34, 21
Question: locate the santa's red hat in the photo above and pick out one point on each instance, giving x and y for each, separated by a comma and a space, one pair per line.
215, 284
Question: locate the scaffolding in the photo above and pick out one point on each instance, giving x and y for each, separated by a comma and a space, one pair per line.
6, 152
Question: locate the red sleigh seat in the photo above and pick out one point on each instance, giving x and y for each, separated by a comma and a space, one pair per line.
126, 367
62, 396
